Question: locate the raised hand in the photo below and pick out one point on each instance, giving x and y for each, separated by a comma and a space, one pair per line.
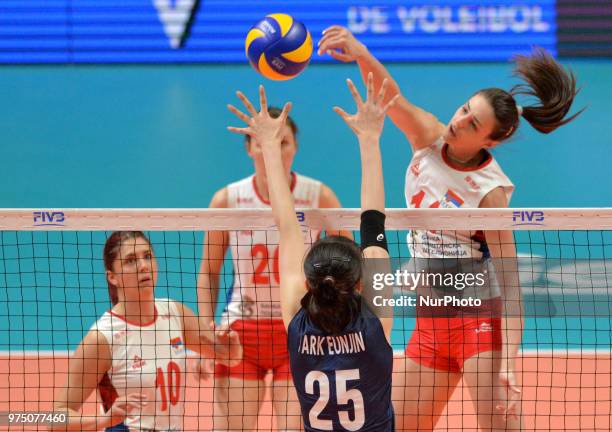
369, 120
340, 43
261, 127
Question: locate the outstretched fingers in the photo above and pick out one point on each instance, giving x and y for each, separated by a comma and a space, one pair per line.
354, 92
242, 116
240, 131
259, 124
382, 91
391, 103
370, 88
263, 100
247, 103
285, 112
345, 116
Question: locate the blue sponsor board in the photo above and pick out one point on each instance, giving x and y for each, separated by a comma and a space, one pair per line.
213, 31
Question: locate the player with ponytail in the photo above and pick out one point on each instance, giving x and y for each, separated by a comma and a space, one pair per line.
452, 167
339, 347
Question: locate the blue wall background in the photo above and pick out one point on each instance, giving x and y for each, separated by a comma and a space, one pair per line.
154, 136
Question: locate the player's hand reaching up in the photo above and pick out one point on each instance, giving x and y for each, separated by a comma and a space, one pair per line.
261, 127
340, 43
369, 120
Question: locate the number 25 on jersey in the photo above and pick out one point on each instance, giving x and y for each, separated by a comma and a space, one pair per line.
344, 396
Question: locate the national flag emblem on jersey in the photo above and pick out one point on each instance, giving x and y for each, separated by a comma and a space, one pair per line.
176, 343
415, 168
138, 363
452, 199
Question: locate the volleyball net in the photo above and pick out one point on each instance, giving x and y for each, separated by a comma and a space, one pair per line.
53, 288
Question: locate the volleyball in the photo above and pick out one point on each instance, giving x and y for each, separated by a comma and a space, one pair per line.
279, 47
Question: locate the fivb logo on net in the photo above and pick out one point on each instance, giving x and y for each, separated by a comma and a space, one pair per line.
528, 217
49, 218
177, 17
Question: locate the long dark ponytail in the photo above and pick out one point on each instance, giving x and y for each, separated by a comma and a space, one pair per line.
545, 80
333, 272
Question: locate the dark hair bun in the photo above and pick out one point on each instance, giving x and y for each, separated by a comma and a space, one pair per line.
325, 292
329, 280
333, 271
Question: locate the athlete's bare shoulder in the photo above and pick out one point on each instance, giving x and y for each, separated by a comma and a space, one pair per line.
327, 198
219, 199
495, 199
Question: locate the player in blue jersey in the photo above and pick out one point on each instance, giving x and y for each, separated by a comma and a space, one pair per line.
340, 354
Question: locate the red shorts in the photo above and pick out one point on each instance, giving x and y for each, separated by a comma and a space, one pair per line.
446, 343
264, 347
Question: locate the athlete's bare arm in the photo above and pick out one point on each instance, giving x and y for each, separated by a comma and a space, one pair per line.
213, 254
268, 132
421, 128
328, 199
367, 124
222, 344
87, 366
501, 245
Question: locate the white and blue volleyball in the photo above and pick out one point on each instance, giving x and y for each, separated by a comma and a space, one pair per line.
279, 47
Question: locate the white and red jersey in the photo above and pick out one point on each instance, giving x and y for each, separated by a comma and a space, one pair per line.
148, 359
433, 181
255, 292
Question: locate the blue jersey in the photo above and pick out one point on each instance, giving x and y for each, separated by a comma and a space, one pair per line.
343, 381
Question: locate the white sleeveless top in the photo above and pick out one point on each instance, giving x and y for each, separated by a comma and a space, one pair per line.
255, 292
433, 181
148, 359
